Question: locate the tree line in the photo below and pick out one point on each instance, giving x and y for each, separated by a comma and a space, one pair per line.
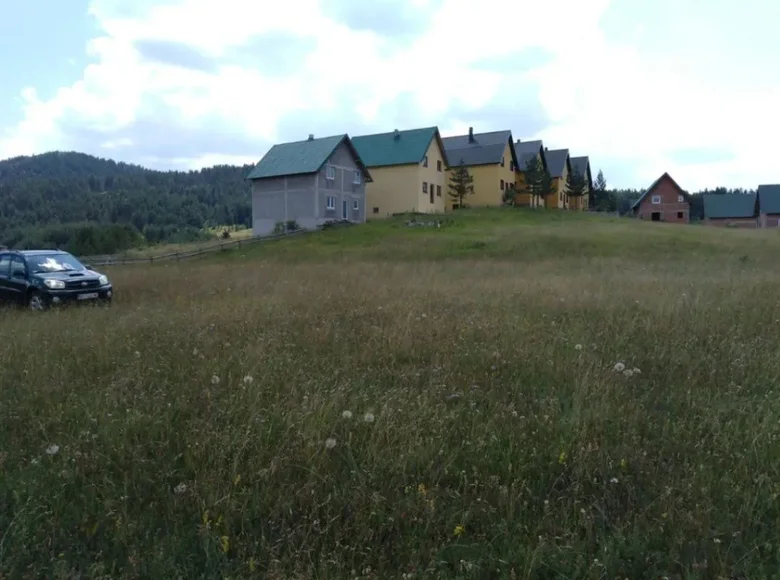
89, 205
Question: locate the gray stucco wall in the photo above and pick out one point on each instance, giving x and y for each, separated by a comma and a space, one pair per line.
304, 198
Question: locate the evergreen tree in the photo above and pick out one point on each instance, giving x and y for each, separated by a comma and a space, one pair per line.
534, 175
461, 184
575, 184
546, 186
601, 183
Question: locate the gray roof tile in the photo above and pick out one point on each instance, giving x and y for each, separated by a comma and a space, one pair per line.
527, 150
486, 149
556, 161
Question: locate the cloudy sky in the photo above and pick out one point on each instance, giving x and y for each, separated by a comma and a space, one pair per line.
685, 86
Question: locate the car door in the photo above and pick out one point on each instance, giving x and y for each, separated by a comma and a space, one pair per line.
5, 272
17, 280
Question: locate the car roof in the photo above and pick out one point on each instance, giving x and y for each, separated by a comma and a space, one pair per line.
40, 252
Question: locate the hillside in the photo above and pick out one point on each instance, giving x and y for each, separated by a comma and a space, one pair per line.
93, 205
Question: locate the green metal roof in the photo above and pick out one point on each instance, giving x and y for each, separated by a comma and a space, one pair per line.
396, 147
769, 198
729, 205
300, 157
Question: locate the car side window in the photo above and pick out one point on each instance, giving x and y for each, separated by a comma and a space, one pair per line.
5, 265
18, 264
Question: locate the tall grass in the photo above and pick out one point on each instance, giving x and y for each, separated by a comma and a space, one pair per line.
190, 420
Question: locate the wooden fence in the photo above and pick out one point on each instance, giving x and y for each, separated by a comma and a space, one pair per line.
123, 259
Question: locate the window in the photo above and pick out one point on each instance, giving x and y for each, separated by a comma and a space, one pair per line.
679, 215
425, 161
502, 162
17, 264
656, 199
331, 202
330, 174
355, 205
356, 178
502, 185
425, 187
376, 210
438, 191
680, 199
438, 165
5, 264
511, 165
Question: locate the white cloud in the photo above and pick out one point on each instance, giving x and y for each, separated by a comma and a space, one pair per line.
631, 110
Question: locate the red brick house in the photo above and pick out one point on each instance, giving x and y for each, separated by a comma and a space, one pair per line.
664, 201
734, 210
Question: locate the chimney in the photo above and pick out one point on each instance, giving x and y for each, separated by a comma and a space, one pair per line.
396, 135
546, 148
311, 136
471, 134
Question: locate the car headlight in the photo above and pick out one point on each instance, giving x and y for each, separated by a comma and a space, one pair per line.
54, 284
103, 279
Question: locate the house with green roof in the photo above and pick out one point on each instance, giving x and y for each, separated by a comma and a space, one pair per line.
769, 205
731, 209
409, 171
310, 182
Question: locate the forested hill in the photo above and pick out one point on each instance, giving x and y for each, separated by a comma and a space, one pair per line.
93, 205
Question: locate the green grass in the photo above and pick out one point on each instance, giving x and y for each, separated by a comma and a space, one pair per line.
485, 351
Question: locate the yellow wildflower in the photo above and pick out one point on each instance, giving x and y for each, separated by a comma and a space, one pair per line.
421, 489
459, 530
237, 479
562, 458
623, 463
224, 543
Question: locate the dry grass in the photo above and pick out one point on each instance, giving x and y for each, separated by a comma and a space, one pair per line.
499, 449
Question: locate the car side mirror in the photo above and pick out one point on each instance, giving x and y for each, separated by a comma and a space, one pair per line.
19, 274
87, 266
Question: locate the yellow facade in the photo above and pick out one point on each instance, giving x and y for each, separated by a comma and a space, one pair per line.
488, 182
524, 197
399, 188
561, 199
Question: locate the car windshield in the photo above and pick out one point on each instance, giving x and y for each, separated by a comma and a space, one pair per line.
54, 263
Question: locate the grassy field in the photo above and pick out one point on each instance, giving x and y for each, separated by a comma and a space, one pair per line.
513, 395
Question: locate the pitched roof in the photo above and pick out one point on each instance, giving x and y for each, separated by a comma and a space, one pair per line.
769, 198
655, 184
557, 160
582, 166
479, 148
396, 147
527, 150
729, 205
300, 157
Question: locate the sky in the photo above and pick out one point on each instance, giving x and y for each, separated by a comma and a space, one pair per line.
684, 86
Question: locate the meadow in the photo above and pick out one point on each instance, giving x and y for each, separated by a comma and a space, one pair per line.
517, 394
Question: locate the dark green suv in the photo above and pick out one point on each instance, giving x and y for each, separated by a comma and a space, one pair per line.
42, 278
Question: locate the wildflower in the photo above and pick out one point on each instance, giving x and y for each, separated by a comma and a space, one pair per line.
194, 352
137, 354
214, 380
224, 544
459, 530
368, 417
330, 443
237, 479
636, 371
628, 373
421, 489
613, 480
181, 488
52, 449
623, 463
562, 458
577, 347
248, 380
346, 415
619, 367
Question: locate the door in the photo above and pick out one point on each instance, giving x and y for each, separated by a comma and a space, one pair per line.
5, 273
656, 216
17, 282
431, 193
344, 209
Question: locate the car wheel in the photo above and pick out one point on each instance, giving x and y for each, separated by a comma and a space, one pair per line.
36, 302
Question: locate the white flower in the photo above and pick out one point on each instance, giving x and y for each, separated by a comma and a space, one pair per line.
620, 367
52, 449
577, 347
613, 480
248, 380
637, 371
330, 443
181, 488
347, 414
368, 417
628, 373
215, 380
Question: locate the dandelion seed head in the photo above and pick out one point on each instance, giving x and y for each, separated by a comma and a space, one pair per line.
181, 488
577, 347
613, 480
346, 414
248, 380
52, 449
214, 380
628, 373
330, 443
619, 367
368, 417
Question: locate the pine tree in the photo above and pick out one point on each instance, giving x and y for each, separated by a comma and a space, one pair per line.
461, 184
601, 183
575, 184
534, 173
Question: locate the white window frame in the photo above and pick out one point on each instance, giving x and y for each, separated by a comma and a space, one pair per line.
330, 202
330, 173
355, 205
680, 199
656, 200
425, 187
356, 178
425, 161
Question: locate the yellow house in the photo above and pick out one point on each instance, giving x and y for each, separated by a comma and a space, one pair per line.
491, 161
559, 165
528, 152
581, 166
409, 171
